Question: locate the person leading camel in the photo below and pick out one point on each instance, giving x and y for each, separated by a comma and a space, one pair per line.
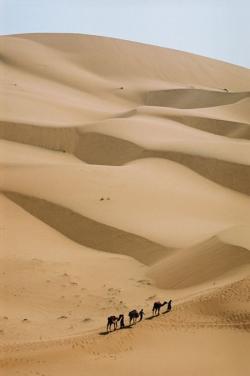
169, 305
121, 319
157, 307
141, 314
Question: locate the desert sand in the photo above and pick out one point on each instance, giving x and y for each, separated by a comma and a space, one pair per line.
125, 180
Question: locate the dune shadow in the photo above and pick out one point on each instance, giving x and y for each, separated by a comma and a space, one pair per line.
88, 232
192, 98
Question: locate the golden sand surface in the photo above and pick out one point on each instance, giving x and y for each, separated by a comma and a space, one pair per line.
125, 180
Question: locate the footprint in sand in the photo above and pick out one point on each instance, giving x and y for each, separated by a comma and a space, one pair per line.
144, 282
87, 319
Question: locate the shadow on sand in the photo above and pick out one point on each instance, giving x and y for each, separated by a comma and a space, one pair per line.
151, 317
117, 330
169, 310
154, 316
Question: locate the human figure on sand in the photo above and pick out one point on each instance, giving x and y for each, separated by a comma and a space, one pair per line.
141, 314
122, 325
169, 305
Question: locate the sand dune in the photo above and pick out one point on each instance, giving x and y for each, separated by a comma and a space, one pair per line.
223, 328
208, 261
90, 233
212, 157
73, 287
124, 172
200, 207
103, 57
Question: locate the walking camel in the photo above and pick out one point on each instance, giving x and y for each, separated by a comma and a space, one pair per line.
133, 316
113, 320
157, 307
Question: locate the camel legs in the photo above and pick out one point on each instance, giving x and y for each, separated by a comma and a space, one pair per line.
156, 311
109, 325
132, 320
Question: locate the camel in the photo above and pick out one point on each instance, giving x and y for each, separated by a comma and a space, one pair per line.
113, 320
157, 307
133, 316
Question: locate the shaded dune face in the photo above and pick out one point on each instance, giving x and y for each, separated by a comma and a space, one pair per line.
199, 264
53, 138
90, 233
100, 149
192, 98
216, 126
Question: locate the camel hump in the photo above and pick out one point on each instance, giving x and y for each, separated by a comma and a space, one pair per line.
133, 312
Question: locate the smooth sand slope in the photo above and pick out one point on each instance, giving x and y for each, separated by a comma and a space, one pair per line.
125, 179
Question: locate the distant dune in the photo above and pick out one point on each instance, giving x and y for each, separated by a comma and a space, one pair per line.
125, 180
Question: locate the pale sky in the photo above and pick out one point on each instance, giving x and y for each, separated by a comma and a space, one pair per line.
215, 28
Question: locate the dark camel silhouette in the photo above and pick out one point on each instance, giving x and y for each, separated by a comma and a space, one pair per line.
133, 316
113, 320
157, 307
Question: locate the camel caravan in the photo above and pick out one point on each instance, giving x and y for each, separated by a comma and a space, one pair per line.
134, 315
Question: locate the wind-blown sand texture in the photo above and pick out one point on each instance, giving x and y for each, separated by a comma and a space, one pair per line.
125, 179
